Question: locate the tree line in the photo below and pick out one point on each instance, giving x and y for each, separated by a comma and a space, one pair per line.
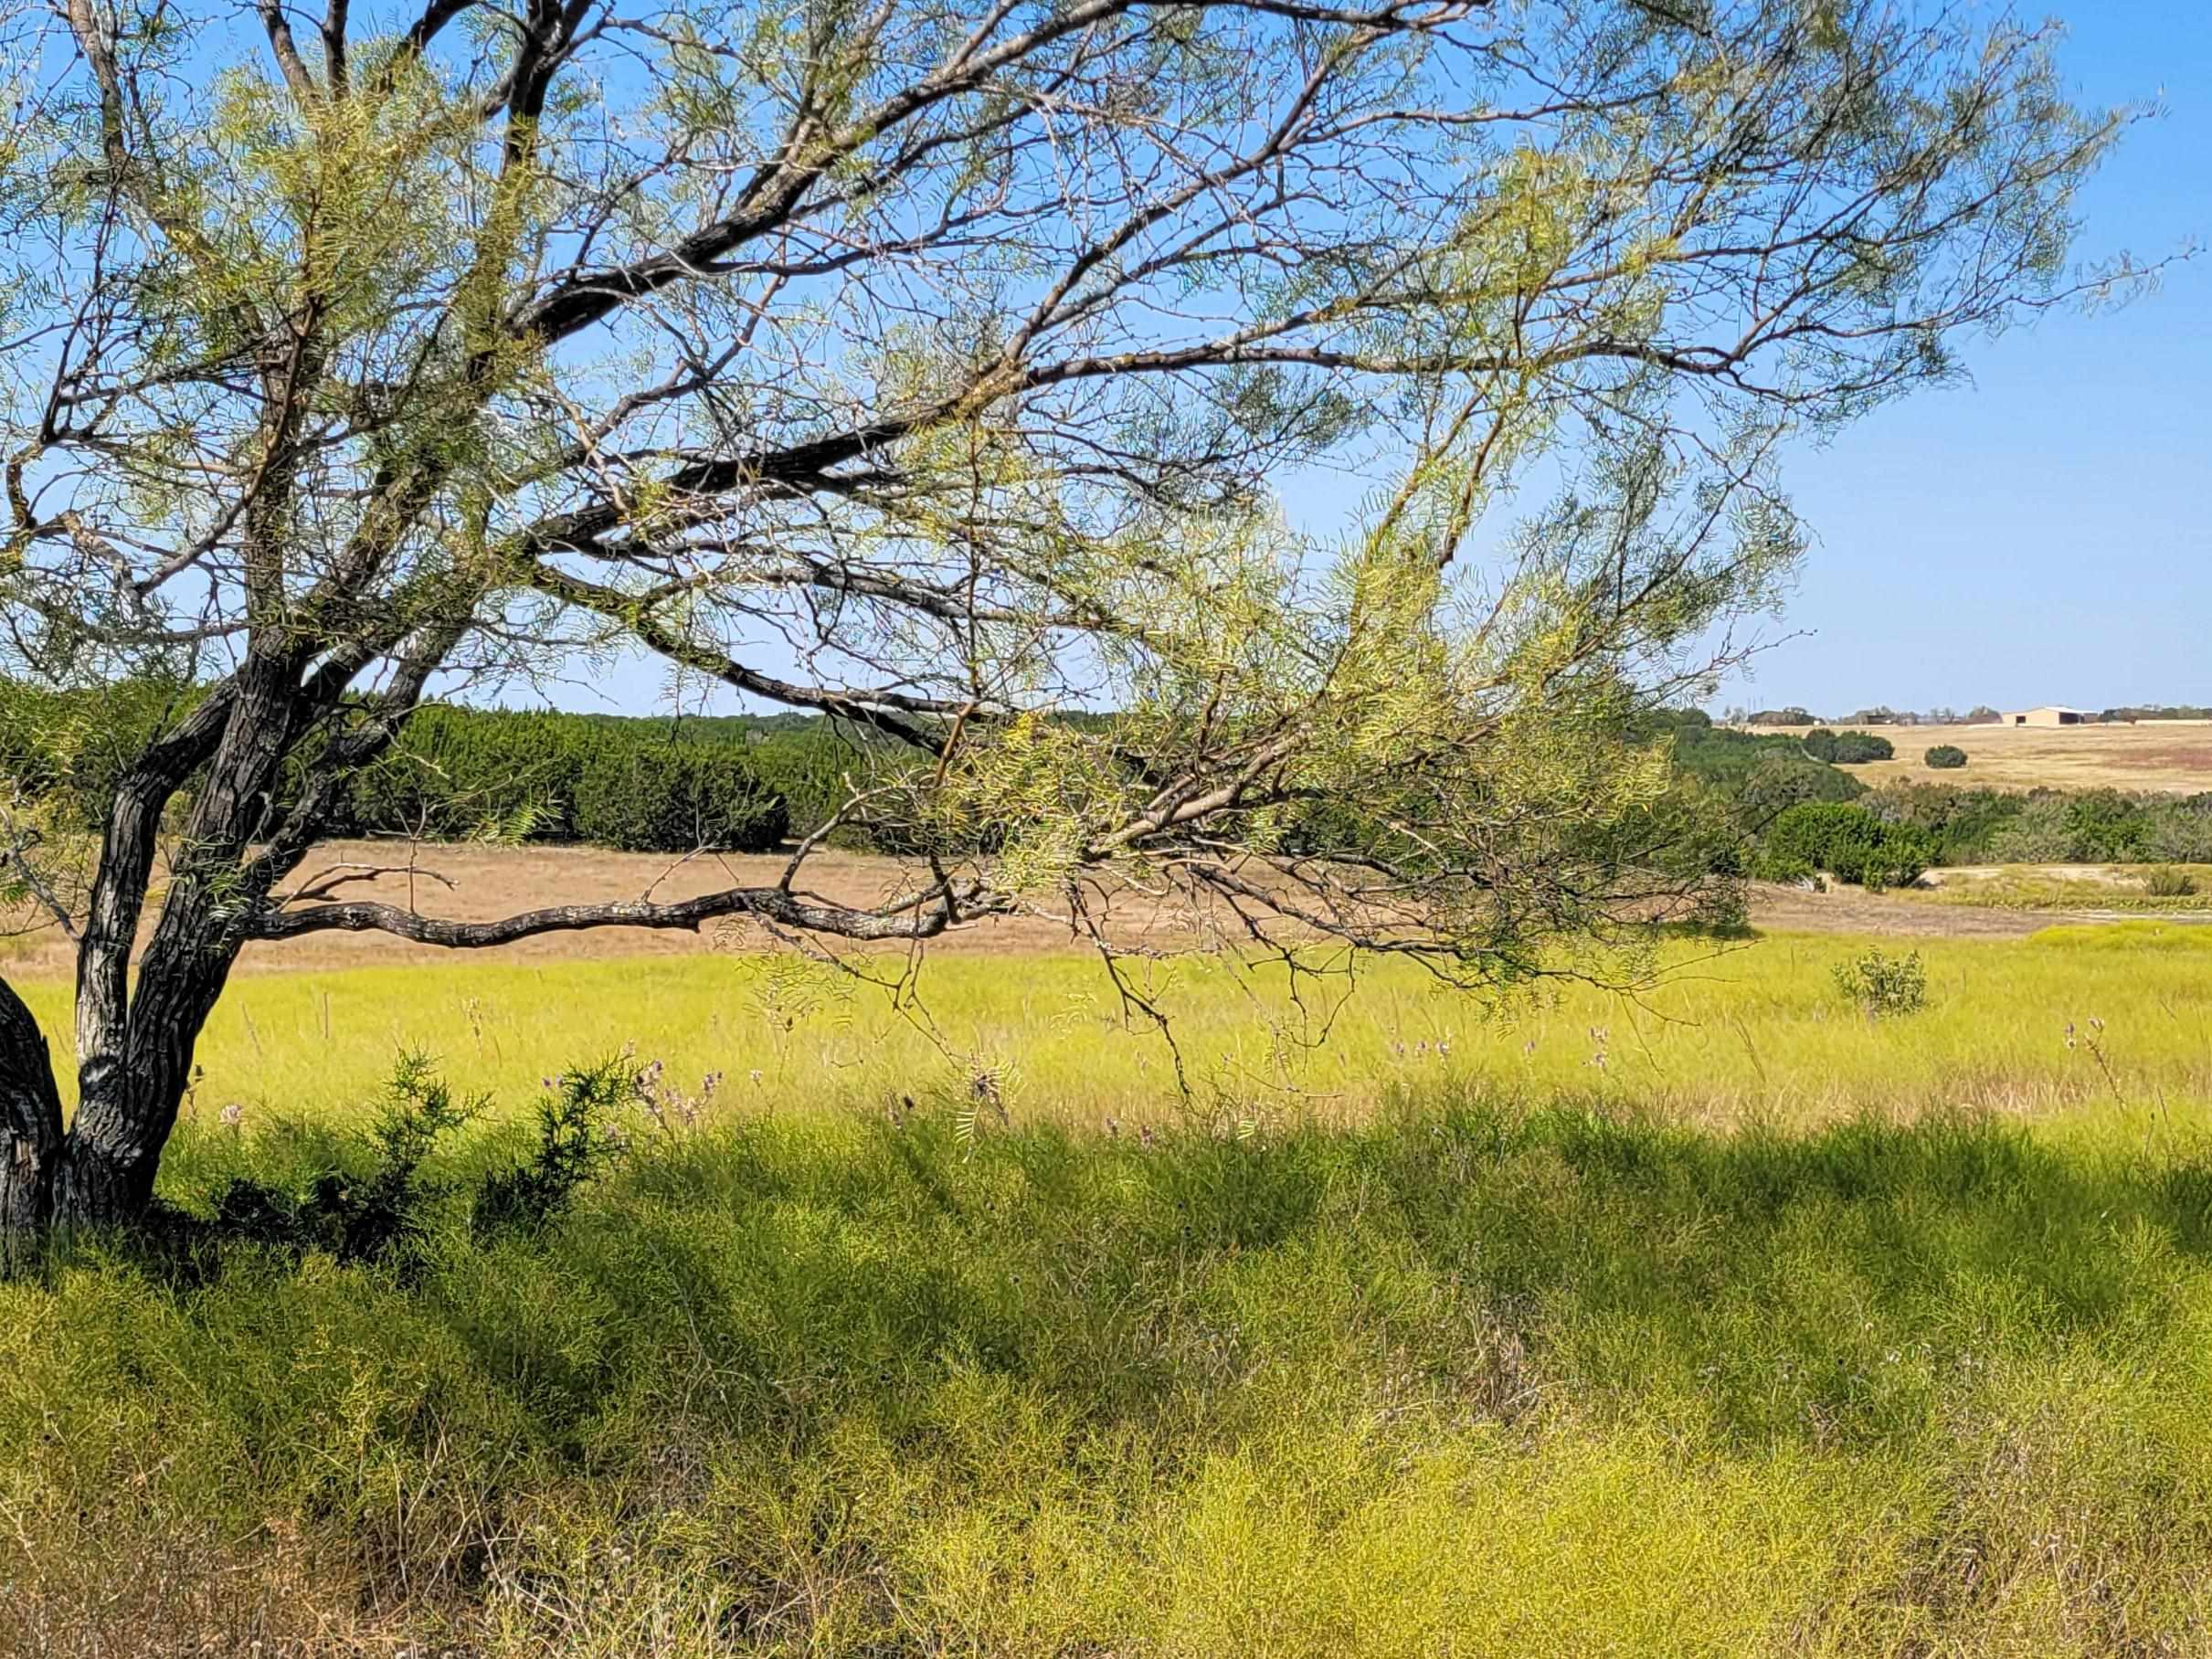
735, 782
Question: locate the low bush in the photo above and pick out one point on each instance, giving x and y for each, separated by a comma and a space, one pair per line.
577, 1135
2166, 882
1882, 985
1847, 748
366, 1199
1848, 841
1946, 758
1855, 748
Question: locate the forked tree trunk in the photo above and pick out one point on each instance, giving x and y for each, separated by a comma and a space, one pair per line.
134, 1041
100, 1170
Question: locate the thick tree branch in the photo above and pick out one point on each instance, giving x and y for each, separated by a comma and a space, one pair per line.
923, 918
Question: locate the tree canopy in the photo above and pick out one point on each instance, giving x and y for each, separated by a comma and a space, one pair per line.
946, 370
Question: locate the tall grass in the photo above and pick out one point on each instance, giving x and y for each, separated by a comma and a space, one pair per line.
1728, 1322
1468, 1379
1731, 1034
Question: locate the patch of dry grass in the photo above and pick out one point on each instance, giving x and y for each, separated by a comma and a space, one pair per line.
2170, 756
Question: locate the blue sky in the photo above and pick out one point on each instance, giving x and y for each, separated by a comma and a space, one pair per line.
2044, 535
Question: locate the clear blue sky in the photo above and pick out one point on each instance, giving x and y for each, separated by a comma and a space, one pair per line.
2044, 535
2041, 535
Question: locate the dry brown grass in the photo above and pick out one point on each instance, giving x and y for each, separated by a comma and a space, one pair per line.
2167, 757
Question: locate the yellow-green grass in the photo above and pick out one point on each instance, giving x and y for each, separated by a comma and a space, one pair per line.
1730, 1033
1782, 1332
1470, 1380
2092, 887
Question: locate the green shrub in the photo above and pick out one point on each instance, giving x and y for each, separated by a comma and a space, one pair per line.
2103, 827
1855, 748
1883, 985
1847, 748
1946, 758
1778, 782
1820, 743
1848, 841
2166, 882
576, 1137
1962, 825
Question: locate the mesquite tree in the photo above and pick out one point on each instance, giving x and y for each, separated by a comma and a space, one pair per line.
947, 371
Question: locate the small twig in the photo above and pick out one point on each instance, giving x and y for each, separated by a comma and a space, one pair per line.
21, 842
328, 880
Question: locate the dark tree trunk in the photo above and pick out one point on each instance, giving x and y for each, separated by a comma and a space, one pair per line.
30, 1122
116, 1136
134, 1040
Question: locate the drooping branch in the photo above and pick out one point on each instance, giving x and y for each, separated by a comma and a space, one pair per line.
895, 714
924, 916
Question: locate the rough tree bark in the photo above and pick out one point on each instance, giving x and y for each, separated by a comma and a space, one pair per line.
30, 1120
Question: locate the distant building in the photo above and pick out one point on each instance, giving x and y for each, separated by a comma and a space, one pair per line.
2051, 714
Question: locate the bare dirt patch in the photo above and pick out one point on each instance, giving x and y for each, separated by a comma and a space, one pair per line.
479, 883
473, 883
1851, 910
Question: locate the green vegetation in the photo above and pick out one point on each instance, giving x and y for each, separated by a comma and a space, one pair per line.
1846, 842
1882, 985
1847, 749
1755, 775
1452, 1334
1729, 1034
1477, 1378
2052, 826
1946, 758
644, 785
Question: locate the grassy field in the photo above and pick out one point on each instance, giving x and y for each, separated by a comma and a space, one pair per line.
1730, 1322
2172, 756
1729, 1034
2106, 888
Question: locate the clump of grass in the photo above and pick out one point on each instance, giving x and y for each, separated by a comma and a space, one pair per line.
1469, 1377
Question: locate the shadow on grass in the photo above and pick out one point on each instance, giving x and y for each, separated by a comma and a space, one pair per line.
1759, 1284
792, 1378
